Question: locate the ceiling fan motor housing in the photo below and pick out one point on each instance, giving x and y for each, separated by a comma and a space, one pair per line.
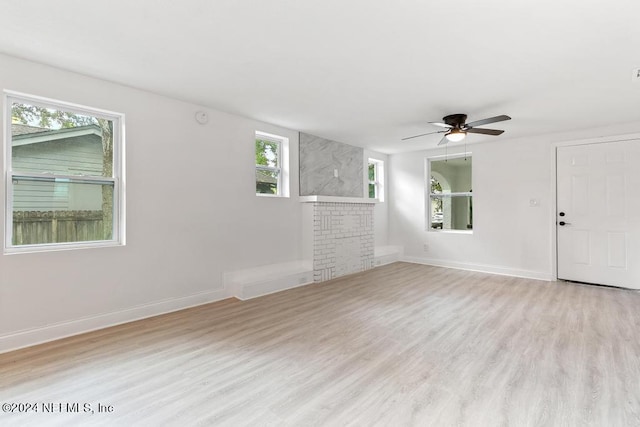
455, 120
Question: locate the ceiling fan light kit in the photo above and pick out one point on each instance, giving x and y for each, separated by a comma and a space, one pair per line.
457, 128
455, 135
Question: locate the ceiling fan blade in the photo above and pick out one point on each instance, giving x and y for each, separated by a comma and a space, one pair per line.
485, 131
487, 121
443, 141
423, 134
442, 125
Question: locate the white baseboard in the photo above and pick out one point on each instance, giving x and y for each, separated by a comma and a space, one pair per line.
255, 290
269, 279
30, 337
492, 269
384, 255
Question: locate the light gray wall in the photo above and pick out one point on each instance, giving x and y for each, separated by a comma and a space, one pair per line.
177, 251
510, 235
320, 158
186, 226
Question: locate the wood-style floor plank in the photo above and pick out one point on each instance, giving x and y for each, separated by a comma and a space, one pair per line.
400, 345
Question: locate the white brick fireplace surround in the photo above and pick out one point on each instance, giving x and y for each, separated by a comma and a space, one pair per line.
343, 238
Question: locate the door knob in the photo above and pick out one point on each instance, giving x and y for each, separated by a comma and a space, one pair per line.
564, 223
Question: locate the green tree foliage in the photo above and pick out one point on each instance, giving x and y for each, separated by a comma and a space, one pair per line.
436, 188
372, 177
266, 153
48, 117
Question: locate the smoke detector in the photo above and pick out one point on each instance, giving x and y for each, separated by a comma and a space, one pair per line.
202, 117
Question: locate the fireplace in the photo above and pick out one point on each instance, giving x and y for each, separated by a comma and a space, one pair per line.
341, 237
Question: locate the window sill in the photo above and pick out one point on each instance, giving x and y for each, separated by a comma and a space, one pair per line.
273, 196
336, 199
437, 230
56, 247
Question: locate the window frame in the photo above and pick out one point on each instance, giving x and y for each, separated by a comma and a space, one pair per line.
116, 180
378, 181
281, 169
429, 195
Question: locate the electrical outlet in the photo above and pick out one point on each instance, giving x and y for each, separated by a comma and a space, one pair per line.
425, 247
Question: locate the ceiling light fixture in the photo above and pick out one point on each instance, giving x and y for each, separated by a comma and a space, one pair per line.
455, 135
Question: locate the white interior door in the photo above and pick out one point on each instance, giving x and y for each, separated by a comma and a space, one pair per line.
598, 213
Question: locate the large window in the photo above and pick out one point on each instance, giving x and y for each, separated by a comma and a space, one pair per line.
375, 175
64, 180
449, 188
271, 165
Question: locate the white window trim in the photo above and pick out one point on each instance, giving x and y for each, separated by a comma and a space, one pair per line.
428, 193
379, 178
283, 161
117, 179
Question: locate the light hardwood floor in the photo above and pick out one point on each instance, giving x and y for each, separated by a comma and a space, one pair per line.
401, 345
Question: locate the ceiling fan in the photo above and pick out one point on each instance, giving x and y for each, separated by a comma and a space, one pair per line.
457, 129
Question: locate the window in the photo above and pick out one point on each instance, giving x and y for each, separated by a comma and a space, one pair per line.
450, 201
64, 186
271, 165
375, 175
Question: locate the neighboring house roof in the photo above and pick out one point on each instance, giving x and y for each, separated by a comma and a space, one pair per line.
25, 134
20, 129
267, 179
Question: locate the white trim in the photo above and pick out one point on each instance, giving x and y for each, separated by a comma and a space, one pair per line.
91, 179
461, 194
268, 279
41, 101
254, 290
283, 187
379, 179
383, 255
336, 199
482, 268
118, 233
449, 231
428, 194
30, 337
65, 246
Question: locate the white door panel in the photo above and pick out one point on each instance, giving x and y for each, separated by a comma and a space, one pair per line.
598, 201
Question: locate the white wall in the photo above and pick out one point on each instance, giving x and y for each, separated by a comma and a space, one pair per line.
192, 213
509, 236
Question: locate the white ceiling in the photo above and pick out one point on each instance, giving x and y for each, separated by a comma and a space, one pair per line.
363, 72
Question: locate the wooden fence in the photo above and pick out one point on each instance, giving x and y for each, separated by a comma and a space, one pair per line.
35, 227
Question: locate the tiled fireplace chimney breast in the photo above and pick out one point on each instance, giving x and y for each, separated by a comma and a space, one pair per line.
338, 220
